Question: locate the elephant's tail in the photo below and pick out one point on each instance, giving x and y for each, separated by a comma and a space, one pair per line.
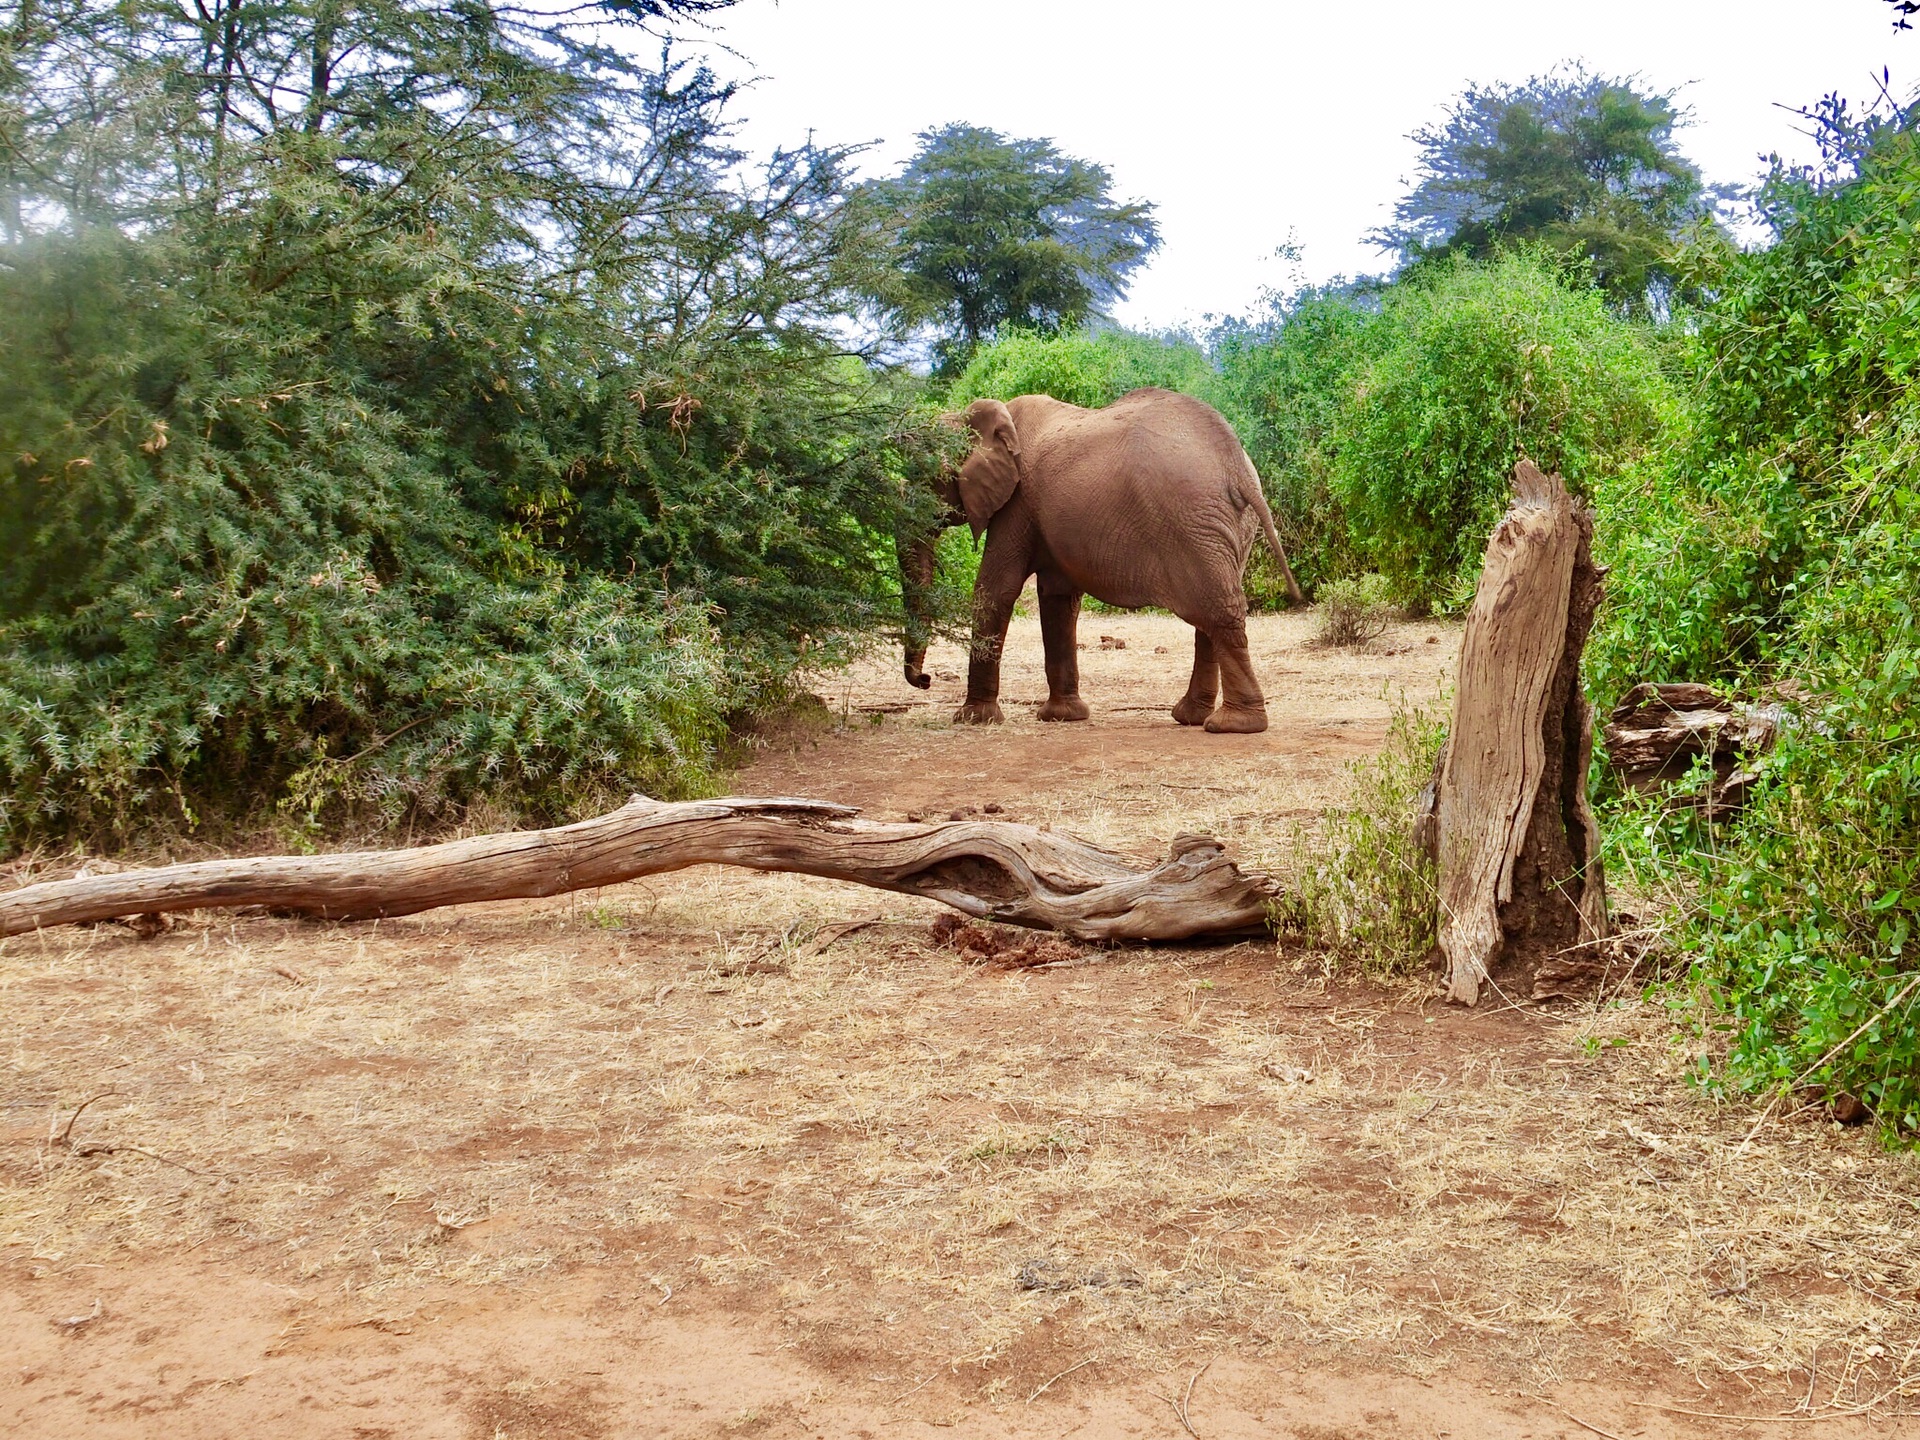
1256, 496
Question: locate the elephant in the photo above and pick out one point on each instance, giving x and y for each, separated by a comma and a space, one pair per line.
1149, 501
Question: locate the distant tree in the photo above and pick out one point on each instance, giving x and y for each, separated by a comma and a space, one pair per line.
991, 233
1579, 163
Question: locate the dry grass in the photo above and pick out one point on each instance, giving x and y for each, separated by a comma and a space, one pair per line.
880, 1136
700, 1086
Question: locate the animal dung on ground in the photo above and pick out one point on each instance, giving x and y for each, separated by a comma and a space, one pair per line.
1159, 649
1004, 949
1112, 642
1291, 1074
994, 807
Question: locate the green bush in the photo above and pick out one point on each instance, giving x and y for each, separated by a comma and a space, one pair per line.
1082, 367
1283, 381
1353, 611
1474, 367
1774, 547
1367, 887
423, 438
228, 586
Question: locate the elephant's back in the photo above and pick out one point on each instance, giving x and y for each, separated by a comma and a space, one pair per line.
1147, 508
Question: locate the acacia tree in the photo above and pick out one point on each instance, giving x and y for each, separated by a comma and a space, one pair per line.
1583, 165
402, 401
990, 233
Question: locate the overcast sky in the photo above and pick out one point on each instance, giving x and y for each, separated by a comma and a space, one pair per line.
1245, 121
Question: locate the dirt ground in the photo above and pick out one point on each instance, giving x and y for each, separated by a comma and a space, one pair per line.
726, 1154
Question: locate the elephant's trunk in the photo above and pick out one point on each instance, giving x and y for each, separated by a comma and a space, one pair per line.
916, 595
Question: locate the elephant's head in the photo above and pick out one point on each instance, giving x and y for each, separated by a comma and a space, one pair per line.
989, 476
971, 492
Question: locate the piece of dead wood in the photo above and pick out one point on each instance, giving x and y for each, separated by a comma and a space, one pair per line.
74, 1324
987, 869
1583, 1424
1519, 849
1048, 1385
1657, 732
84, 1149
1182, 1408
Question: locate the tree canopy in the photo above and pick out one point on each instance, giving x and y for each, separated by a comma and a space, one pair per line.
990, 233
1584, 165
403, 402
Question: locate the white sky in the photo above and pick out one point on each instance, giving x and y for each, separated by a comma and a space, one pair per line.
1245, 122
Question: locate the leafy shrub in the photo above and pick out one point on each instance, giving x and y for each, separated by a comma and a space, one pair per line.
1283, 380
1475, 366
282, 599
1775, 548
1367, 888
422, 437
1353, 611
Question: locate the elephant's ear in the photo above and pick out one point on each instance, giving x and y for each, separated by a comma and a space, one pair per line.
994, 470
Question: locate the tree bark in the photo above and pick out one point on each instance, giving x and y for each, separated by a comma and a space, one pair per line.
990, 870
1519, 852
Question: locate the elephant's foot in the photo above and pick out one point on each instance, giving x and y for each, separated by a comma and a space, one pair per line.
1236, 720
1063, 707
979, 712
1192, 712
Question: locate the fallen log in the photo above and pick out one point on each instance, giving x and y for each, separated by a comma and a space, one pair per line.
1657, 732
986, 869
1519, 851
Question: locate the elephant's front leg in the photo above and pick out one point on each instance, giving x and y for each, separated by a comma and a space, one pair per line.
1060, 634
1197, 704
1003, 571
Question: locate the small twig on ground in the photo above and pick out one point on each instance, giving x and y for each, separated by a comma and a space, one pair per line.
104, 1147
1181, 1407
1061, 1376
1583, 1424
1791, 1416
73, 1324
832, 934
918, 1388
65, 1137
87, 1148
287, 972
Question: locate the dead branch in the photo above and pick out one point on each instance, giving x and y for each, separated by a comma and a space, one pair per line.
987, 869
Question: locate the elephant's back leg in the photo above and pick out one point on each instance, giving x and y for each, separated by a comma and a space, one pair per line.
1222, 619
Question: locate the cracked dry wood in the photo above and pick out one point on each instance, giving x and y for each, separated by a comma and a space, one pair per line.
990, 870
1519, 857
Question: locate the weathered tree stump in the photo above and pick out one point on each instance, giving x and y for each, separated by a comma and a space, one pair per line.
988, 869
1520, 877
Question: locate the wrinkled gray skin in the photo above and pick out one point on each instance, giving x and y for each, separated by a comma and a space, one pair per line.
1151, 501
